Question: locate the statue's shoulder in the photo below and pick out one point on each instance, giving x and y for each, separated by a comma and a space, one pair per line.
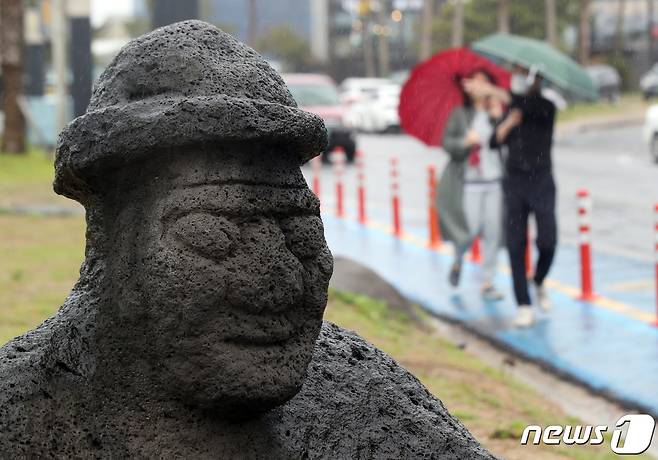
358, 401
35, 396
23, 394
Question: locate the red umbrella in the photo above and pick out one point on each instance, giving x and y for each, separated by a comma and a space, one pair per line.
433, 91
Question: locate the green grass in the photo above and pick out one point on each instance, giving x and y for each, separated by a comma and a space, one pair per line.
628, 103
42, 257
494, 406
27, 179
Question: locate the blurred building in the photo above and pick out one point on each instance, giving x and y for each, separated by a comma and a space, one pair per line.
234, 16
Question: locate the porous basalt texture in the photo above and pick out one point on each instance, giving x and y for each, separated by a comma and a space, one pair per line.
185, 83
356, 402
195, 329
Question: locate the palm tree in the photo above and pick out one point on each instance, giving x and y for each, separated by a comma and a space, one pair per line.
458, 23
619, 30
12, 42
584, 33
551, 23
382, 46
650, 31
425, 48
503, 16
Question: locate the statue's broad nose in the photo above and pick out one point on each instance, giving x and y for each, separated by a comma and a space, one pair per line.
273, 279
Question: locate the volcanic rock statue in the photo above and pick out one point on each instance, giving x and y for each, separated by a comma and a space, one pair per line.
195, 330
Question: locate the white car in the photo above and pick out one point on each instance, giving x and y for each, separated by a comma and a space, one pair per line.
373, 104
356, 90
650, 132
382, 116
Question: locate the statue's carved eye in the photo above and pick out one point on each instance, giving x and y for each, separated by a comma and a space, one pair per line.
304, 235
209, 235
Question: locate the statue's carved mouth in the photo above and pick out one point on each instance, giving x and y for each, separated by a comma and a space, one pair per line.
260, 340
264, 328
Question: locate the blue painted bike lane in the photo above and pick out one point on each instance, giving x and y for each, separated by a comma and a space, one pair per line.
609, 345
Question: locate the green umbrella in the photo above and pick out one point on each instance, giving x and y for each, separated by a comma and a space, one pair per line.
553, 65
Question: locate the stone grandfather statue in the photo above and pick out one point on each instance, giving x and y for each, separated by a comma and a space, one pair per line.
195, 329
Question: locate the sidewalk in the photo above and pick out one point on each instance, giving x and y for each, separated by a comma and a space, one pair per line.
609, 345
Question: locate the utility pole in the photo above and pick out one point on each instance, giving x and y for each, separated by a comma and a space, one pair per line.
458, 23
252, 26
425, 49
382, 48
58, 41
584, 33
503, 16
11, 54
80, 49
551, 22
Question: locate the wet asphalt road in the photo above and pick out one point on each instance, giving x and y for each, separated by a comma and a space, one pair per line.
613, 164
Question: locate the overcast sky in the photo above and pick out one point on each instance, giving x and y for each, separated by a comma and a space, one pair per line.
103, 9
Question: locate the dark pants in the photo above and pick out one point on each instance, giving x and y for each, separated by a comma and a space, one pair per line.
524, 194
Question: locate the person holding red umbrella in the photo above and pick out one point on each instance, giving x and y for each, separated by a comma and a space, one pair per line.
470, 195
442, 104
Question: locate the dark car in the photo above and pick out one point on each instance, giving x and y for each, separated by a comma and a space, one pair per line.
607, 81
649, 82
318, 94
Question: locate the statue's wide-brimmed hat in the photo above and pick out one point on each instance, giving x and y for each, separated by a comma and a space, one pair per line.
184, 84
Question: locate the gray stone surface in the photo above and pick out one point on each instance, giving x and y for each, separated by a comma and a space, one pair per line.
195, 330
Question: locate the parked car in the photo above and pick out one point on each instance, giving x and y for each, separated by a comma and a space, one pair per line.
380, 114
356, 90
649, 82
318, 94
651, 131
607, 81
372, 104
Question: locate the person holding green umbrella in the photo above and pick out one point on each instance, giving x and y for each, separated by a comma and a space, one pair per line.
527, 132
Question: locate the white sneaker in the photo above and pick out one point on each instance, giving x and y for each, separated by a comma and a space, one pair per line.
543, 300
525, 317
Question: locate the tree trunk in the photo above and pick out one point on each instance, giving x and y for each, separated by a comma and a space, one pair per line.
382, 48
12, 43
619, 30
458, 23
584, 33
426, 30
551, 22
503, 16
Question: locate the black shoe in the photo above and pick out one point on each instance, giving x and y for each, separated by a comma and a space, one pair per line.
455, 273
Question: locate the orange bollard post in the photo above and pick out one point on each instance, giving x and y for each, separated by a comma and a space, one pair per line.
316, 165
339, 162
528, 256
397, 223
476, 254
433, 214
584, 228
361, 189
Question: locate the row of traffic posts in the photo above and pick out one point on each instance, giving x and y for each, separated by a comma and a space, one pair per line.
434, 233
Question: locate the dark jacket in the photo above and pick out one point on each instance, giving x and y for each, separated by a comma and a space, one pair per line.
529, 145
